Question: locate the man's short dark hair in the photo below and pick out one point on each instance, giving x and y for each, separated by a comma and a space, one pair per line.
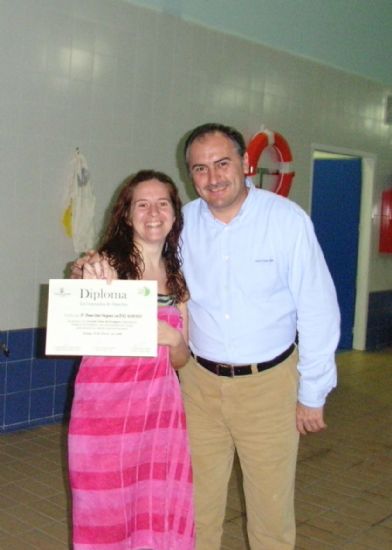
211, 128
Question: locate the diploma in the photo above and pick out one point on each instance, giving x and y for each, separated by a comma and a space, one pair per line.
92, 317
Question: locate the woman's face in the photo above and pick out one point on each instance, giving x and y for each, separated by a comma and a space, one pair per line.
151, 213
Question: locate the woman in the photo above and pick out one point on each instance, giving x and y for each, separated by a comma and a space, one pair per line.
129, 460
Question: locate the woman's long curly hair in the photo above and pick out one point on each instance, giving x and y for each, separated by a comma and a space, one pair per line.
118, 243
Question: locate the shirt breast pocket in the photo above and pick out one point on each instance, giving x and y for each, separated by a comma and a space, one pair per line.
263, 279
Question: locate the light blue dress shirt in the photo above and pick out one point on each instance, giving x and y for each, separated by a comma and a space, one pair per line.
255, 282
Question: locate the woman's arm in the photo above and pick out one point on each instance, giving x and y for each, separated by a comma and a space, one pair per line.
177, 340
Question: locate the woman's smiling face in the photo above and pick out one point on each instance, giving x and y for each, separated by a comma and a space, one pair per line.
151, 213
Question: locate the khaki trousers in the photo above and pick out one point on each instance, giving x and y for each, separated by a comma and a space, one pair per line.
254, 414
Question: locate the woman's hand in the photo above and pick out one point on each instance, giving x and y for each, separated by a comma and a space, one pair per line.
179, 350
167, 335
77, 266
100, 269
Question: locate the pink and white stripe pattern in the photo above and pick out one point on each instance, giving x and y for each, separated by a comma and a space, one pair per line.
129, 459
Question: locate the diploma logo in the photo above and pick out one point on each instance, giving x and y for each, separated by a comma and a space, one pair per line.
61, 291
144, 291
101, 294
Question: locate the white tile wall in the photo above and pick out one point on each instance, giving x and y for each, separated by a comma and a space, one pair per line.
124, 84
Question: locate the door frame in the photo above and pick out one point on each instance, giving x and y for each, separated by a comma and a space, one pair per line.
365, 229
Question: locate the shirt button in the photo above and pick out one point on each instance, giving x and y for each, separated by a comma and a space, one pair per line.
226, 258
227, 316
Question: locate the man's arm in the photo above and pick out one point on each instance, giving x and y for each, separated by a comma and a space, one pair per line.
318, 323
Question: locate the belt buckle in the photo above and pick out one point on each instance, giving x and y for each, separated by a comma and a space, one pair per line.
227, 367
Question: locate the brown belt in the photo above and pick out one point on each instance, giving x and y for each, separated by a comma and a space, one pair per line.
225, 369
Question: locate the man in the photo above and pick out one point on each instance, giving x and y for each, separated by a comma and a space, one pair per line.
258, 281
256, 277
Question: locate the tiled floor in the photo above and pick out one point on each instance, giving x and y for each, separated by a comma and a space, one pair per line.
344, 489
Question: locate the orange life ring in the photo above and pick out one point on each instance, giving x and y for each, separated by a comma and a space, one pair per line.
256, 146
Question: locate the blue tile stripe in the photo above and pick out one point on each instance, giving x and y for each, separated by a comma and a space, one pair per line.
34, 389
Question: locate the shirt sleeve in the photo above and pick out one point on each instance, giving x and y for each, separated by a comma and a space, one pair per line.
318, 316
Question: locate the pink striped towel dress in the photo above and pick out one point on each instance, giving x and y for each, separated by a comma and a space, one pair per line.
129, 460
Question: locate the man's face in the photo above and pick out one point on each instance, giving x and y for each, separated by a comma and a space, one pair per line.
218, 173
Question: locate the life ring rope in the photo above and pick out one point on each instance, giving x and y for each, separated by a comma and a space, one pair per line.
286, 168
270, 136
